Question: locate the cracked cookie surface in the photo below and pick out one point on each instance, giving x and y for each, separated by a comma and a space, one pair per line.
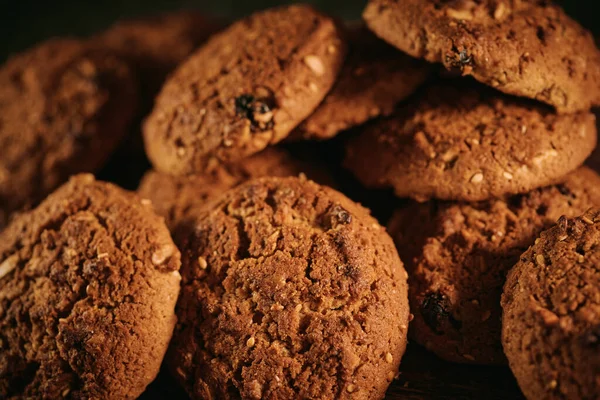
88, 285
180, 198
290, 290
246, 88
527, 48
458, 141
64, 107
374, 79
551, 312
458, 254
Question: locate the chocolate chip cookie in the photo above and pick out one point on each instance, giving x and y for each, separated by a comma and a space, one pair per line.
375, 78
88, 286
458, 255
155, 45
458, 141
64, 107
180, 198
246, 88
290, 290
527, 48
551, 312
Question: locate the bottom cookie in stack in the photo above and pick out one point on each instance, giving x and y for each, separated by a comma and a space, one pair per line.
458, 254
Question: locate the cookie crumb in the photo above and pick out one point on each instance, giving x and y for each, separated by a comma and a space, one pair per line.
540, 260
553, 384
331, 49
202, 263
315, 64
485, 316
469, 357
391, 376
500, 10
250, 342
350, 388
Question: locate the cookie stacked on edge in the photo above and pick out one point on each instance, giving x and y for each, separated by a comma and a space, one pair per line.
491, 170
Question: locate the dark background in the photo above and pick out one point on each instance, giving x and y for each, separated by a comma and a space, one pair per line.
25, 22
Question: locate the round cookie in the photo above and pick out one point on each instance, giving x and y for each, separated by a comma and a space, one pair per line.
527, 48
374, 79
461, 142
246, 88
551, 312
88, 286
180, 198
458, 254
290, 290
155, 45
64, 107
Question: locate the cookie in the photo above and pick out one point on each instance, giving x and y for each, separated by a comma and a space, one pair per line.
458, 254
88, 286
156, 45
526, 48
375, 78
551, 319
290, 290
246, 88
64, 107
180, 198
463, 142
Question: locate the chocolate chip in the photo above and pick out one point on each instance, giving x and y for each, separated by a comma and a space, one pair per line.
257, 110
434, 310
337, 215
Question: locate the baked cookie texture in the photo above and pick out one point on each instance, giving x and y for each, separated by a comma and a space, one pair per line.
64, 107
246, 88
179, 199
88, 286
374, 79
458, 254
470, 143
290, 290
156, 45
527, 48
551, 308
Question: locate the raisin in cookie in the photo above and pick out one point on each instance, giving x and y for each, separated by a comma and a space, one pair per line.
88, 286
375, 78
458, 141
528, 48
156, 45
180, 198
246, 88
551, 312
64, 107
290, 290
458, 255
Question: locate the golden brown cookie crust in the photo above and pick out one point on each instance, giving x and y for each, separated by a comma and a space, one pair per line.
88, 286
551, 312
458, 254
374, 79
246, 88
528, 48
179, 199
458, 141
64, 107
290, 290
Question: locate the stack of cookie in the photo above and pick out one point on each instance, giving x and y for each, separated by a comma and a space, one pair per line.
252, 281
490, 171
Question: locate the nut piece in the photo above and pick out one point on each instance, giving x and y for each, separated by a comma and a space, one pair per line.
251, 341
8, 265
202, 263
477, 178
315, 64
389, 358
162, 254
